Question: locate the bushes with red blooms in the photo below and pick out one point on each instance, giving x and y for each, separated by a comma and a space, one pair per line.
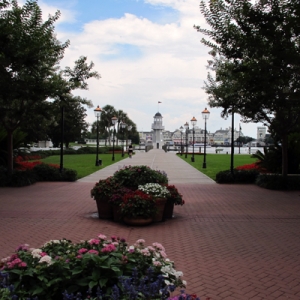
22, 163
253, 166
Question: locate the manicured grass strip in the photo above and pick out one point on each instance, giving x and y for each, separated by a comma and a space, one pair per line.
84, 164
217, 162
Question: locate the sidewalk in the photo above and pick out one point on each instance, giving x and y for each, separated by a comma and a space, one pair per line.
230, 241
178, 170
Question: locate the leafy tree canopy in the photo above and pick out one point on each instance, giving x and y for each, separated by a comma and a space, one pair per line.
255, 56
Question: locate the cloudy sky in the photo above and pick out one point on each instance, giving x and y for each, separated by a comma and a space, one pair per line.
145, 51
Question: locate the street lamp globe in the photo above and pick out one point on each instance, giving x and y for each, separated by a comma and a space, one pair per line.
98, 112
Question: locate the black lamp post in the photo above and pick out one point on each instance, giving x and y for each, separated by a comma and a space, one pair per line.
186, 127
240, 139
97, 112
114, 120
205, 115
194, 122
181, 129
123, 126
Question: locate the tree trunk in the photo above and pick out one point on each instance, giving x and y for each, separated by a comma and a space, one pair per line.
284, 154
10, 159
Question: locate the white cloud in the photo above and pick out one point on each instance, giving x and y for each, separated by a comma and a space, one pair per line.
169, 65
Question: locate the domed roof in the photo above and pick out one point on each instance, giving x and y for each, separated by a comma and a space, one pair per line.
158, 114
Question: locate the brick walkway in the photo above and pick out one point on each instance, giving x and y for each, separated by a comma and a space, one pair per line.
231, 241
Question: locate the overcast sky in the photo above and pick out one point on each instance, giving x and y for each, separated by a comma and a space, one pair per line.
145, 51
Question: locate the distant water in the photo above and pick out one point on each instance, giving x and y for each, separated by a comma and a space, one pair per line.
227, 150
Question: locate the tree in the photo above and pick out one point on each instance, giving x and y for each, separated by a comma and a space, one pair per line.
256, 57
74, 122
29, 72
28, 57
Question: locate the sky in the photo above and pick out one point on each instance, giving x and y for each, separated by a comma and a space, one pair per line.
146, 52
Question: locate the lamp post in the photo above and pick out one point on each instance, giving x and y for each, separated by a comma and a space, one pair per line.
114, 120
194, 122
123, 126
97, 112
128, 129
205, 116
181, 129
186, 127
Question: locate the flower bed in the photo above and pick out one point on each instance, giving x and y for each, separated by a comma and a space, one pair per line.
137, 192
103, 268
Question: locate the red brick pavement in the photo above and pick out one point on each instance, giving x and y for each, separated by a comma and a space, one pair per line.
231, 241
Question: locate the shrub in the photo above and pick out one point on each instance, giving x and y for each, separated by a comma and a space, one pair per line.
45, 172
22, 178
278, 182
98, 265
69, 175
4, 178
105, 188
238, 176
133, 176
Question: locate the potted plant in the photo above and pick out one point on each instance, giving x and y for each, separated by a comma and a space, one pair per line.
116, 199
174, 198
160, 194
138, 208
102, 193
133, 176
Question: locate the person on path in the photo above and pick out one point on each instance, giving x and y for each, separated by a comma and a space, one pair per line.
130, 150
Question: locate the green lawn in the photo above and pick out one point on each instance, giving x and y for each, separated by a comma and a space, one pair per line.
84, 164
217, 162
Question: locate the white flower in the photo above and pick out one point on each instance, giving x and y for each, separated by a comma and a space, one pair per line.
167, 282
36, 253
178, 274
47, 259
184, 282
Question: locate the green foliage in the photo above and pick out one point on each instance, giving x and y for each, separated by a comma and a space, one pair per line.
238, 176
44, 172
105, 188
138, 204
60, 265
254, 76
4, 177
278, 182
133, 176
22, 178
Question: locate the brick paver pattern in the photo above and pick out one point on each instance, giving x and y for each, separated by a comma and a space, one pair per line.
231, 241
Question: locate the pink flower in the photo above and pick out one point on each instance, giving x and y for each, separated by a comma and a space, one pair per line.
114, 238
163, 254
102, 237
108, 248
93, 252
158, 246
145, 252
94, 242
157, 263
82, 250
16, 261
79, 256
22, 264
43, 254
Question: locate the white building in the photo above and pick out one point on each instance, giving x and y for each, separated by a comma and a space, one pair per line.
157, 128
